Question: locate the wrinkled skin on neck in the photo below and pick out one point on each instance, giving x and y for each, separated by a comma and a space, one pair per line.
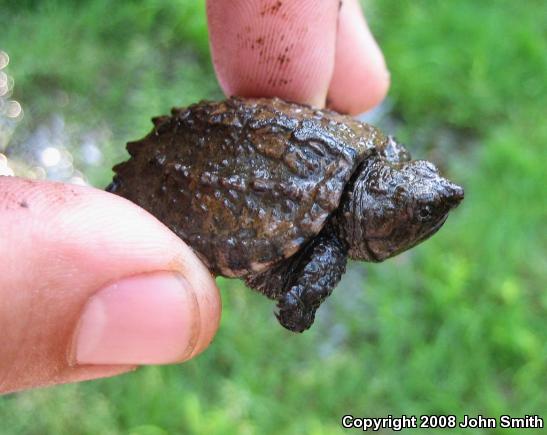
390, 208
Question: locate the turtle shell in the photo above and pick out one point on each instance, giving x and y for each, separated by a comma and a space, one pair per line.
245, 182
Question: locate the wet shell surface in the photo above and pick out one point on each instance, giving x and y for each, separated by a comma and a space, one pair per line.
245, 182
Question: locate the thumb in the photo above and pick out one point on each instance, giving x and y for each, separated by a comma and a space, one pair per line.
91, 286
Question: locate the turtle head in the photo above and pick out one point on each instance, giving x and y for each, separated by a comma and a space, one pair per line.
393, 207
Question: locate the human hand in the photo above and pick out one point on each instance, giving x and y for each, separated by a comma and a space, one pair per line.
92, 286
306, 51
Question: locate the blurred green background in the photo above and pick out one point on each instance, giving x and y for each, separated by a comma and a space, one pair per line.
456, 326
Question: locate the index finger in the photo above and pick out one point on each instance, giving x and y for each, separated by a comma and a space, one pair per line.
298, 50
282, 48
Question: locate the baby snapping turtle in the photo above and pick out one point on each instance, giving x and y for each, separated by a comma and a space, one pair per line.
280, 194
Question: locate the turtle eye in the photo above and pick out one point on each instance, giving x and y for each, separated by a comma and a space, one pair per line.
424, 213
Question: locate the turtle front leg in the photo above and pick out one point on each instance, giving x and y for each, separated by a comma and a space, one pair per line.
301, 283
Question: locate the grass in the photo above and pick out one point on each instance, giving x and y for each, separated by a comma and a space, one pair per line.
456, 326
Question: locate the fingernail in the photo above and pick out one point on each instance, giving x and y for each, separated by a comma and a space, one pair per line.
145, 319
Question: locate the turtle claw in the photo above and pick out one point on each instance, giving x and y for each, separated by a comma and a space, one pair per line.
293, 314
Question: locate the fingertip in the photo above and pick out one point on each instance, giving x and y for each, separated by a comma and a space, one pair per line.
151, 318
361, 79
279, 48
210, 310
207, 297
